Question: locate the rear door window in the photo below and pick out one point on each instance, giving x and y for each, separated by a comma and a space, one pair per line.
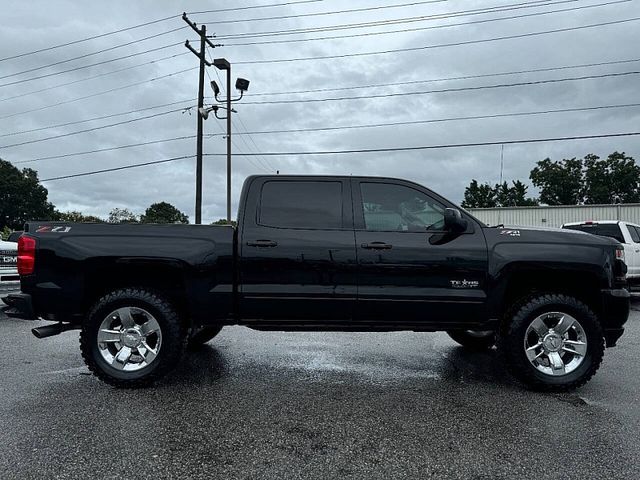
301, 204
635, 234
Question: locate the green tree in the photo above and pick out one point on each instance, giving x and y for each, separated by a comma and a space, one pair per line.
22, 198
501, 195
224, 221
614, 180
514, 196
479, 196
77, 217
163, 212
122, 215
560, 182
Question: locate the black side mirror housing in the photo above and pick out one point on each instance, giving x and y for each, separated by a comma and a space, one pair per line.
453, 220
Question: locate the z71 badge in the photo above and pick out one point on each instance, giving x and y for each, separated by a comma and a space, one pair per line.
50, 229
511, 233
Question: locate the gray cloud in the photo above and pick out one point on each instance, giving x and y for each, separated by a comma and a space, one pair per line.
29, 25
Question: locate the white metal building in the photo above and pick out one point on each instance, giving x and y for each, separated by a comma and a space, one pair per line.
555, 216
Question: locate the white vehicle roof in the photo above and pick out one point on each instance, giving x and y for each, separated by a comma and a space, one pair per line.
8, 245
595, 222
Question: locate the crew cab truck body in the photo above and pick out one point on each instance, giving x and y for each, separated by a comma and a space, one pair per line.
327, 253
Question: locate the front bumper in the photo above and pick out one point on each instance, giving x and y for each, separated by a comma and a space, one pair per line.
19, 305
615, 312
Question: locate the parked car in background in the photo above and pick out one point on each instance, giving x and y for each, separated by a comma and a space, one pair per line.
9, 278
628, 234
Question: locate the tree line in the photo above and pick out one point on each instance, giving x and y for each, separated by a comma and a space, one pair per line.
23, 198
575, 181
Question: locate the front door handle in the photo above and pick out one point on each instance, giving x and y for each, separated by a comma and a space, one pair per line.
262, 243
377, 246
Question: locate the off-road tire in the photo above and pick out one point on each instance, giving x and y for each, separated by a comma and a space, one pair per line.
202, 335
174, 337
472, 342
513, 330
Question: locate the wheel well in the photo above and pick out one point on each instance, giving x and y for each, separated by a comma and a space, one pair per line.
581, 285
164, 279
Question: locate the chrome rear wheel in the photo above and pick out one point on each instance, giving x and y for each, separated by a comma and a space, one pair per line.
129, 339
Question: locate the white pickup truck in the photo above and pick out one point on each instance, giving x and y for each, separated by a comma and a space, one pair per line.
628, 234
9, 279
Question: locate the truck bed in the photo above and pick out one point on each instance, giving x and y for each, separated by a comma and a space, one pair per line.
82, 257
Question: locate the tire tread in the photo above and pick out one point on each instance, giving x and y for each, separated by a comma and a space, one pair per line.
511, 353
172, 351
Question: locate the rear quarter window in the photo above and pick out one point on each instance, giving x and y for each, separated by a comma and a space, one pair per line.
303, 204
635, 234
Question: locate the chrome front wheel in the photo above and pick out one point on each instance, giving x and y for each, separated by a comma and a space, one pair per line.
552, 342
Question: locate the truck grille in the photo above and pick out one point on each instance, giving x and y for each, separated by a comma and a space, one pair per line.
8, 258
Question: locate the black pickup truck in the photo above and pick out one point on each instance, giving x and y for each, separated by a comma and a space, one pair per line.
325, 253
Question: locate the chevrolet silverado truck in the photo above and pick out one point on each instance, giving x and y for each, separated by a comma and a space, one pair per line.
326, 253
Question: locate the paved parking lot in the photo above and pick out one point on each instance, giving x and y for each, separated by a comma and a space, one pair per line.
322, 405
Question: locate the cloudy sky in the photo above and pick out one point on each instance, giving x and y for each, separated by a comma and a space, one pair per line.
439, 42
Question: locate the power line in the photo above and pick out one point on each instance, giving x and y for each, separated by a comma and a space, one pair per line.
442, 45
86, 55
431, 27
96, 94
93, 37
76, 122
396, 21
446, 79
255, 145
139, 25
251, 7
108, 149
332, 12
93, 77
82, 67
446, 119
78, 132
263, 161
446, 90
346, 127
115, 169
367, 150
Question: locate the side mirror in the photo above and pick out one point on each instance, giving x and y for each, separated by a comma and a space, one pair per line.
453, 220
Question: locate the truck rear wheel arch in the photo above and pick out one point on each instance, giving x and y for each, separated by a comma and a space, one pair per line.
167, 279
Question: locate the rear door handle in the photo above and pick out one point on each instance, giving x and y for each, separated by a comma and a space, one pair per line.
262, 243
377, 246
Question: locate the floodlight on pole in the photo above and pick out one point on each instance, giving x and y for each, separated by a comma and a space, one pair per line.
242, 85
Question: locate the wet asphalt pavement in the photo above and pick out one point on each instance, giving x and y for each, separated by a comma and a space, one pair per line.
321, 405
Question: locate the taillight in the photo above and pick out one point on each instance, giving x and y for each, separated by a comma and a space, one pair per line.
26, 255
620, 253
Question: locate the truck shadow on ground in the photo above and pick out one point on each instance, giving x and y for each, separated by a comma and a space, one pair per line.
454, 366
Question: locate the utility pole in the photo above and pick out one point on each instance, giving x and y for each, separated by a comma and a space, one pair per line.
202, 32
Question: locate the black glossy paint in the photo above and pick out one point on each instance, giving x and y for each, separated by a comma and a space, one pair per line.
300, 275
